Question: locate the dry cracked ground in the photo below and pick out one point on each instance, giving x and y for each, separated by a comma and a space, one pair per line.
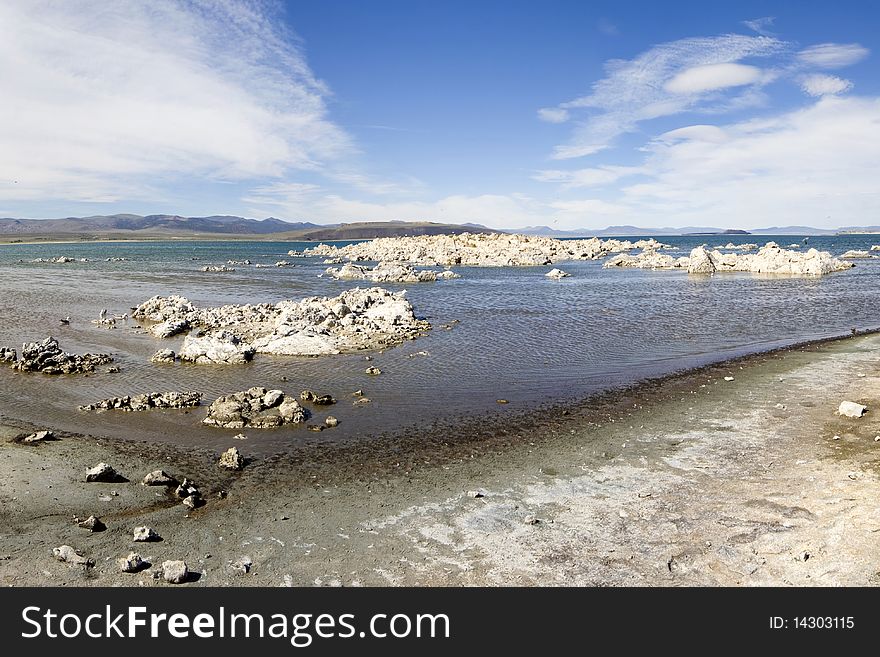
702, 481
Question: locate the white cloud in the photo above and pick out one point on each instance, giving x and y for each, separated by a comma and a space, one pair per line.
833, 55
100, 97
636, 90
712, 76
796, 168
608, 28
553, 115
825, 85
709, 133
761, 25
592, 177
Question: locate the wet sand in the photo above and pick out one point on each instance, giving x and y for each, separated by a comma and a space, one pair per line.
687, 480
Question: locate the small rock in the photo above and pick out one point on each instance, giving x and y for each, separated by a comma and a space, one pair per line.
132, 563
315, 427
728, 378
163, 356
242, 566
231, 459
113, 370
851, 409
357, 393
159, 478
103, 473
93, 524
67, 554
501, 401
39, 437
145, 534
192, 501
835, 437
175, 572
239, 436
476, 493
331, 421
360, 401
373, 371
531, 520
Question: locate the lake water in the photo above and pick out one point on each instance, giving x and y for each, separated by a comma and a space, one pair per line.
520, 336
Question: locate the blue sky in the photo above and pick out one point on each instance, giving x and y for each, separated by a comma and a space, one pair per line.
569, 114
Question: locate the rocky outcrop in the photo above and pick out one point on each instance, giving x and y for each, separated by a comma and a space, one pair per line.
649, 259
257, 407
371, 318
169, 328
854, 254
389, 272
147, 402
557, 274
164, 356
48, 358
8, 355
478, 250
770, 259
220, 348
730, 246
217, 268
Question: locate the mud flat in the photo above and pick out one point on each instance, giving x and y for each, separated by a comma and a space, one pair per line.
741, 473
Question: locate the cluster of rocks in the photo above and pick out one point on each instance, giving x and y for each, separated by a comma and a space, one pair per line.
216, 268
60, 260
770, 259
730, 246
47, 357
257, 407
371, 318
854, 254
238, 262
389, 272
147, 401
478, 250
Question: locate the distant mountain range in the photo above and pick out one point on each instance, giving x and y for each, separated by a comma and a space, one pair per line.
159, 226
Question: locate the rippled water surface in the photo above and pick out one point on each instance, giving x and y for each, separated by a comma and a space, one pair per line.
520, 336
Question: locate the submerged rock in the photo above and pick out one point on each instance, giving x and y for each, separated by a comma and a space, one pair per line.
557, 274
147, 401
249, 409
331, 421
48, 358
854, 254
217, 268
319, 400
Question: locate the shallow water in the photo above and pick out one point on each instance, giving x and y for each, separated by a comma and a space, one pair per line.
521, 336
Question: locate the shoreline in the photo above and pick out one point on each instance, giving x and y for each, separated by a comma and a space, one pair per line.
330, 492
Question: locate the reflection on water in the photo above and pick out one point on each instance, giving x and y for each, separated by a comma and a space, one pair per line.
521, 336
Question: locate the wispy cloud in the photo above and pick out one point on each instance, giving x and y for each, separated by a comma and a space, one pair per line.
761, 25
833, 55
608, 28
825, 85
592, 177
100, 97
667, 79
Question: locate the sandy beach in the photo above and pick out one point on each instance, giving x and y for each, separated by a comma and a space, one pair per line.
740, 473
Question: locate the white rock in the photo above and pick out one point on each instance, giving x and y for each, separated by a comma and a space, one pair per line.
557, 274
67, 554
175, 572
851, 409
222, 348
145, 534
132, 563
